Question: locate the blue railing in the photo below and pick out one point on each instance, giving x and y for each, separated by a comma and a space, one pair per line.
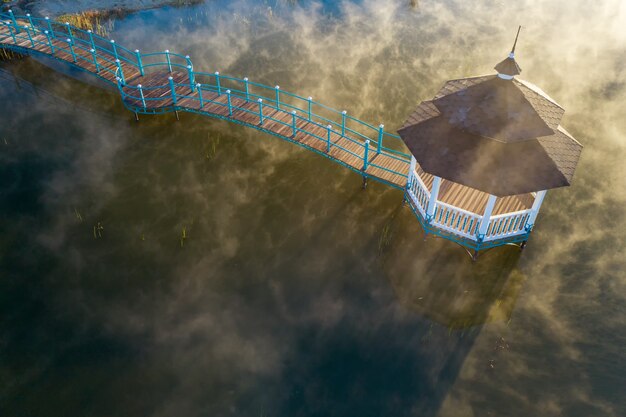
113, 62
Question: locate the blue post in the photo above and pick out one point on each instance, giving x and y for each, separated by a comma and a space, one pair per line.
49, 42
69, 30
366, 154
230, 106
217, 82
139, 63
200, 95
71, 45
343, 123
114, 48
17, 28
381, 130
188, 60
30, 20
95, 60
328, 128
173, 89
294, 128
12, 33
245, 81
93, 44
169, 61
277, 88
121, 71
49, 26
143, 99
32, 42
310, 99
261, 111
190, 75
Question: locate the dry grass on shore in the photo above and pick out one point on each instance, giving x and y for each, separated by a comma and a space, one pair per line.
99, 22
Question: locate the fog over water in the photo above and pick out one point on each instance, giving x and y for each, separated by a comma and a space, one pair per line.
294, 292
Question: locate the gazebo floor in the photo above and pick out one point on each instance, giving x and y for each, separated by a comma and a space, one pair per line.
474, 200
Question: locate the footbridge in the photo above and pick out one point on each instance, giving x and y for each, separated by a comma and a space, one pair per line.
162, 82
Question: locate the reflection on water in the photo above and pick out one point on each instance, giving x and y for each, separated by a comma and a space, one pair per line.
294, 292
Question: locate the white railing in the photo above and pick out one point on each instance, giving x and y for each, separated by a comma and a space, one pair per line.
456, 220
418, 192
507, 225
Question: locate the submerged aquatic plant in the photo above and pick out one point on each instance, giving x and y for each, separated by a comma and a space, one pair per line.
97, 231
183, 236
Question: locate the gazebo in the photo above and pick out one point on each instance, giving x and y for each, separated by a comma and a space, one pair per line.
485, 151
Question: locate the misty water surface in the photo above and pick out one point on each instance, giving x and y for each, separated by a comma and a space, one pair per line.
293, 291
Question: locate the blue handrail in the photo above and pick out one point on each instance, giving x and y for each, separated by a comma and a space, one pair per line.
114, 59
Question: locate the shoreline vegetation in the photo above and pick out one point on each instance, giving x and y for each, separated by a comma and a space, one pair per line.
56, 9
100, 22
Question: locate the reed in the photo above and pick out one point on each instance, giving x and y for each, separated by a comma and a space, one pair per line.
99, 22
8, 55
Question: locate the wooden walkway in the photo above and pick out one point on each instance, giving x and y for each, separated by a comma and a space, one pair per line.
346, 148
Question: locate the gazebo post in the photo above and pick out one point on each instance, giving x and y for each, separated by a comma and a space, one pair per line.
535, 209
484, 223
434, 192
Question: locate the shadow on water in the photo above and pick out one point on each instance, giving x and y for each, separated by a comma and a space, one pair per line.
443, 284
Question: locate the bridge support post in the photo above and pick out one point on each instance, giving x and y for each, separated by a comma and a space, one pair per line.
71, 46
294, 128
343, 123
95, 60
200, 95
230, 105
381, 131
69, 30
49, 26
169, 61
217, 83
191, 77
30, 20
114, 48
12, 33
277, 88
173, 89
119, 67
260, 111
91, 41
17, 28
328, 128
366, 155
32, 42
310, 100
50, 45
139, 63
247, 86
143, 99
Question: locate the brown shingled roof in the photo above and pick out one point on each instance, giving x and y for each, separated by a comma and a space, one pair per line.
496, 135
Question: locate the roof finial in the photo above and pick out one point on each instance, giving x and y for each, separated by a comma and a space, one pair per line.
515, 43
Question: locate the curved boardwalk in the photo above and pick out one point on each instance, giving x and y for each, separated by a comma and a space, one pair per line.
166, 82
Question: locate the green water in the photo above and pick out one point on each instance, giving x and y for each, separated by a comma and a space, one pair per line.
196, 268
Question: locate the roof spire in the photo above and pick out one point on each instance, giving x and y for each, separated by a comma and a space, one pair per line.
515, 43
508, 68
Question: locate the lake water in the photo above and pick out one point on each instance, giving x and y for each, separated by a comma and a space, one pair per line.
294, 292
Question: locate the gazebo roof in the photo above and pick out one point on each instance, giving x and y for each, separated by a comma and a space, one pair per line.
493, 133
